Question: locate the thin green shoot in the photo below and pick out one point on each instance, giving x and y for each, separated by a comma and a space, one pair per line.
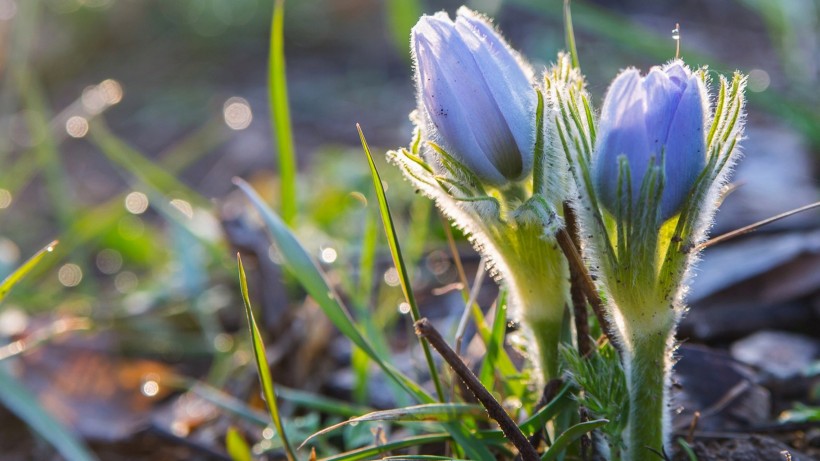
373, 451
687, 449
398, 260
438, 412
236, 446
280, 114
570, 435
265, 379
570, 35
12, 279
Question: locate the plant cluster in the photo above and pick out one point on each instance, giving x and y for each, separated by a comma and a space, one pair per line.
500, 152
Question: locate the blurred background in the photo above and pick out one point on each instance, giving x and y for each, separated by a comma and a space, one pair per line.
122, 123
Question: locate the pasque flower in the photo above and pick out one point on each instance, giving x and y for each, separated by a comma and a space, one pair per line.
645, 163
476, 95
479, 152
658, 119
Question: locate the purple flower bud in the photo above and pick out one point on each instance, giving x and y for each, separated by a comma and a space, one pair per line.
475, 94
645, 118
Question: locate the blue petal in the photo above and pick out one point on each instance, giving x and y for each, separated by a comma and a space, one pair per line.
622, 133
677, 72
509, 81
619, 96
662, 96
685, 147
454, 100
442, 105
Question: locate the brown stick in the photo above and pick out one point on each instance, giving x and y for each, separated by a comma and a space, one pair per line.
425, 329
590, 291
579, 300
753, 227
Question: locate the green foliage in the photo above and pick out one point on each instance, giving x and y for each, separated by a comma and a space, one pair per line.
24, 404
280, 114
237, 447
603, 392
265, 379
801, 413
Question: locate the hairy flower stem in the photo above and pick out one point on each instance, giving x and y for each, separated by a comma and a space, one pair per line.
537, 276
547, 334
647, 371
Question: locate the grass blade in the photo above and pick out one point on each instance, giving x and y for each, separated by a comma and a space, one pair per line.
398, 261
265, 379
570, 435
23, 270
420, 457
496, 343
432, 412
236, 446
22, 403
370, 452
687, 449
280, 113
570, 35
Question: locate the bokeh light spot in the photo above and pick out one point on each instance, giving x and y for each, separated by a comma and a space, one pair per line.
223, 342
391, 277
5, 199
237, 113
759, 80
93, 100
76, 126
9, 252
70, 275
109, 261
136, 202
328, 255
150, 388
126, 282
184, 207
13, 321
111, 91
268, 433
